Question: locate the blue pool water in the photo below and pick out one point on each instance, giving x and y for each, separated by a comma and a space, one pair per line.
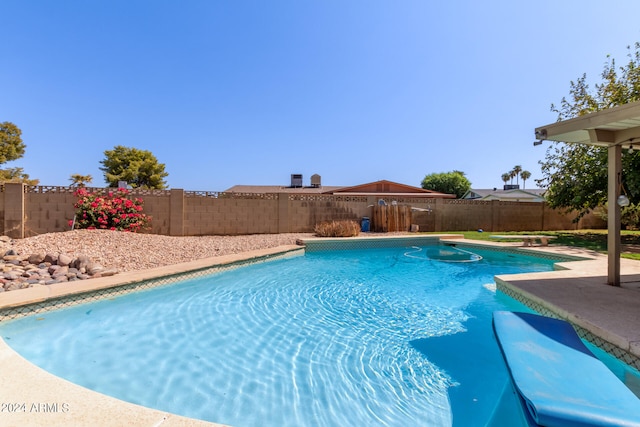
386, 337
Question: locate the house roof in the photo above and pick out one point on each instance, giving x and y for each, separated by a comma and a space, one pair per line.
390, 188
387, 188
535, 193
278, 189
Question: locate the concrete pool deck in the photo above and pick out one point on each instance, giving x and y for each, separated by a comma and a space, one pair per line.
577, 292
608, 316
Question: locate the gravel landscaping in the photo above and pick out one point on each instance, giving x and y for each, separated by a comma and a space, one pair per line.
118, 252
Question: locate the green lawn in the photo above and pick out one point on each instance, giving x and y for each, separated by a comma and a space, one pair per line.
589, 239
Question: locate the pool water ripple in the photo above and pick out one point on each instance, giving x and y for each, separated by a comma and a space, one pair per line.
316, 340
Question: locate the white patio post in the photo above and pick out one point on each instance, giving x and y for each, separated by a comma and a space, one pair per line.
613, 214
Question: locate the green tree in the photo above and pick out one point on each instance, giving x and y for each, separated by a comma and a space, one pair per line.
447, 182
139, 168
12, 148
16, 175
11, 145
575, 175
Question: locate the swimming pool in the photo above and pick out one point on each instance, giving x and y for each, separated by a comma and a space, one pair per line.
384, 336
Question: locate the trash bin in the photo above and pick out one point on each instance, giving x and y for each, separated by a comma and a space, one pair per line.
364, 224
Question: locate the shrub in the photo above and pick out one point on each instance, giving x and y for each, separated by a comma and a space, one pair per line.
110, 211
337, 229
629, 216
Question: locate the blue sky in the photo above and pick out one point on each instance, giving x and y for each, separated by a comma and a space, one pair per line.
249, 92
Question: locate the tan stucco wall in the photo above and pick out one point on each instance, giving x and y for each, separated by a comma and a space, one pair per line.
28, 211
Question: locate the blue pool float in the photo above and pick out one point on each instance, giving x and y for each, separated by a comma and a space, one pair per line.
558, 381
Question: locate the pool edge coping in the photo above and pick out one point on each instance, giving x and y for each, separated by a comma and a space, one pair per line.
41, 297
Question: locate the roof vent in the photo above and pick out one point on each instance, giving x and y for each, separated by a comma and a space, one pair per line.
296, 180
316, 182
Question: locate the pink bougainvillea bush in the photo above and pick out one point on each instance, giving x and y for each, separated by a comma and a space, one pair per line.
109, 211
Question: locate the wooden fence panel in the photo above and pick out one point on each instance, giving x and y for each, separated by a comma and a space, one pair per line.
389, 218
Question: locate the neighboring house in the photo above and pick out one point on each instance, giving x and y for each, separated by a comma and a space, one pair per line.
377, 188
511, 195
390, 189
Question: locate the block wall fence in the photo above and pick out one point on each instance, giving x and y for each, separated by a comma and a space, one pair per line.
27, 211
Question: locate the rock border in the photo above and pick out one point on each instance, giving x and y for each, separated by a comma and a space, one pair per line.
45, 268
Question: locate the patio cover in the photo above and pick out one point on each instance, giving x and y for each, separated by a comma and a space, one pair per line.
615, 128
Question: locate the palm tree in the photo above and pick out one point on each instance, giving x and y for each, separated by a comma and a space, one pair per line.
506, 177
516, 173
525, 175
78, 180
